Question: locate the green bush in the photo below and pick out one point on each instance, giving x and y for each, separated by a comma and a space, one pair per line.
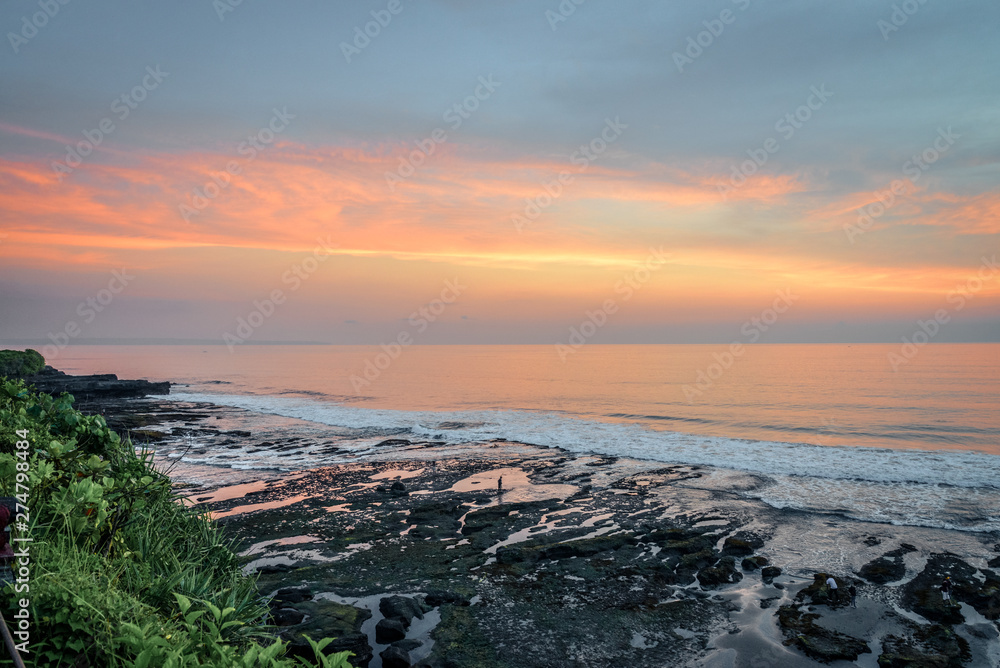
16, 364
122, 573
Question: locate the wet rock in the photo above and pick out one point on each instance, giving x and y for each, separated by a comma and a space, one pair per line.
511, 555
923, 596
768, 573
819, 594
274, 568
723, 573
933, 646
327, 619
887, 568
94, 387
287, 616
397, 487
292, 595
872, 541
402, 608
816, 642
586, 548
753, 563
392, 441
741, 544
994, 562
395, 657
436, 597
389, 631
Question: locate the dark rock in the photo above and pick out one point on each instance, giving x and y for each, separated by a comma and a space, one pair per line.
274, 568
437, 597
389, 631
723, 573
327, 619
768, 573
402, 608
392, 441
994, 562
98, 386
933, 646
511, 555
398, 487
587, 547
292, 595
906, 547
923, 596
765, 603
287, 616
395, 657
884, 569
753, 563
818, 643
741, 544
819, 594
407, 645
872, 541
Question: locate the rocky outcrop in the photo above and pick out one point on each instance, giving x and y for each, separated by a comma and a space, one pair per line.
818, 643
980, 589
887, 568
94, 387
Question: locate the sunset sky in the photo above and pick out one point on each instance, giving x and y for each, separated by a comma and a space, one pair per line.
742, 139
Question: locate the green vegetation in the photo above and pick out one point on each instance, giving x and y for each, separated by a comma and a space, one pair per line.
15, 363
121, 573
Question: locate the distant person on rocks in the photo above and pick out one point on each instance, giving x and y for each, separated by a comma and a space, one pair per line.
853, 591
500, 486
832, 584
946, 590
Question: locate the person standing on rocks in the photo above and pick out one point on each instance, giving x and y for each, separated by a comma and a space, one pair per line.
500, 486
946, 591
832, 584
853, 591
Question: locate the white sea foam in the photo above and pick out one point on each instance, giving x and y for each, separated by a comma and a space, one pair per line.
955, 488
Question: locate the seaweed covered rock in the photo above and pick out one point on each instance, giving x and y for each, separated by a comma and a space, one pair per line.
980, 589
330, 619
768, 573
818, 643
753, 563
933, 646
723, 573
887, 568
819, 593
741, 544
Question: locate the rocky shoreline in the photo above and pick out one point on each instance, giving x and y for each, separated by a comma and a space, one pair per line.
411, 558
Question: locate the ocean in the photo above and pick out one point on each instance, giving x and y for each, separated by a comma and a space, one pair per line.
869, 432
